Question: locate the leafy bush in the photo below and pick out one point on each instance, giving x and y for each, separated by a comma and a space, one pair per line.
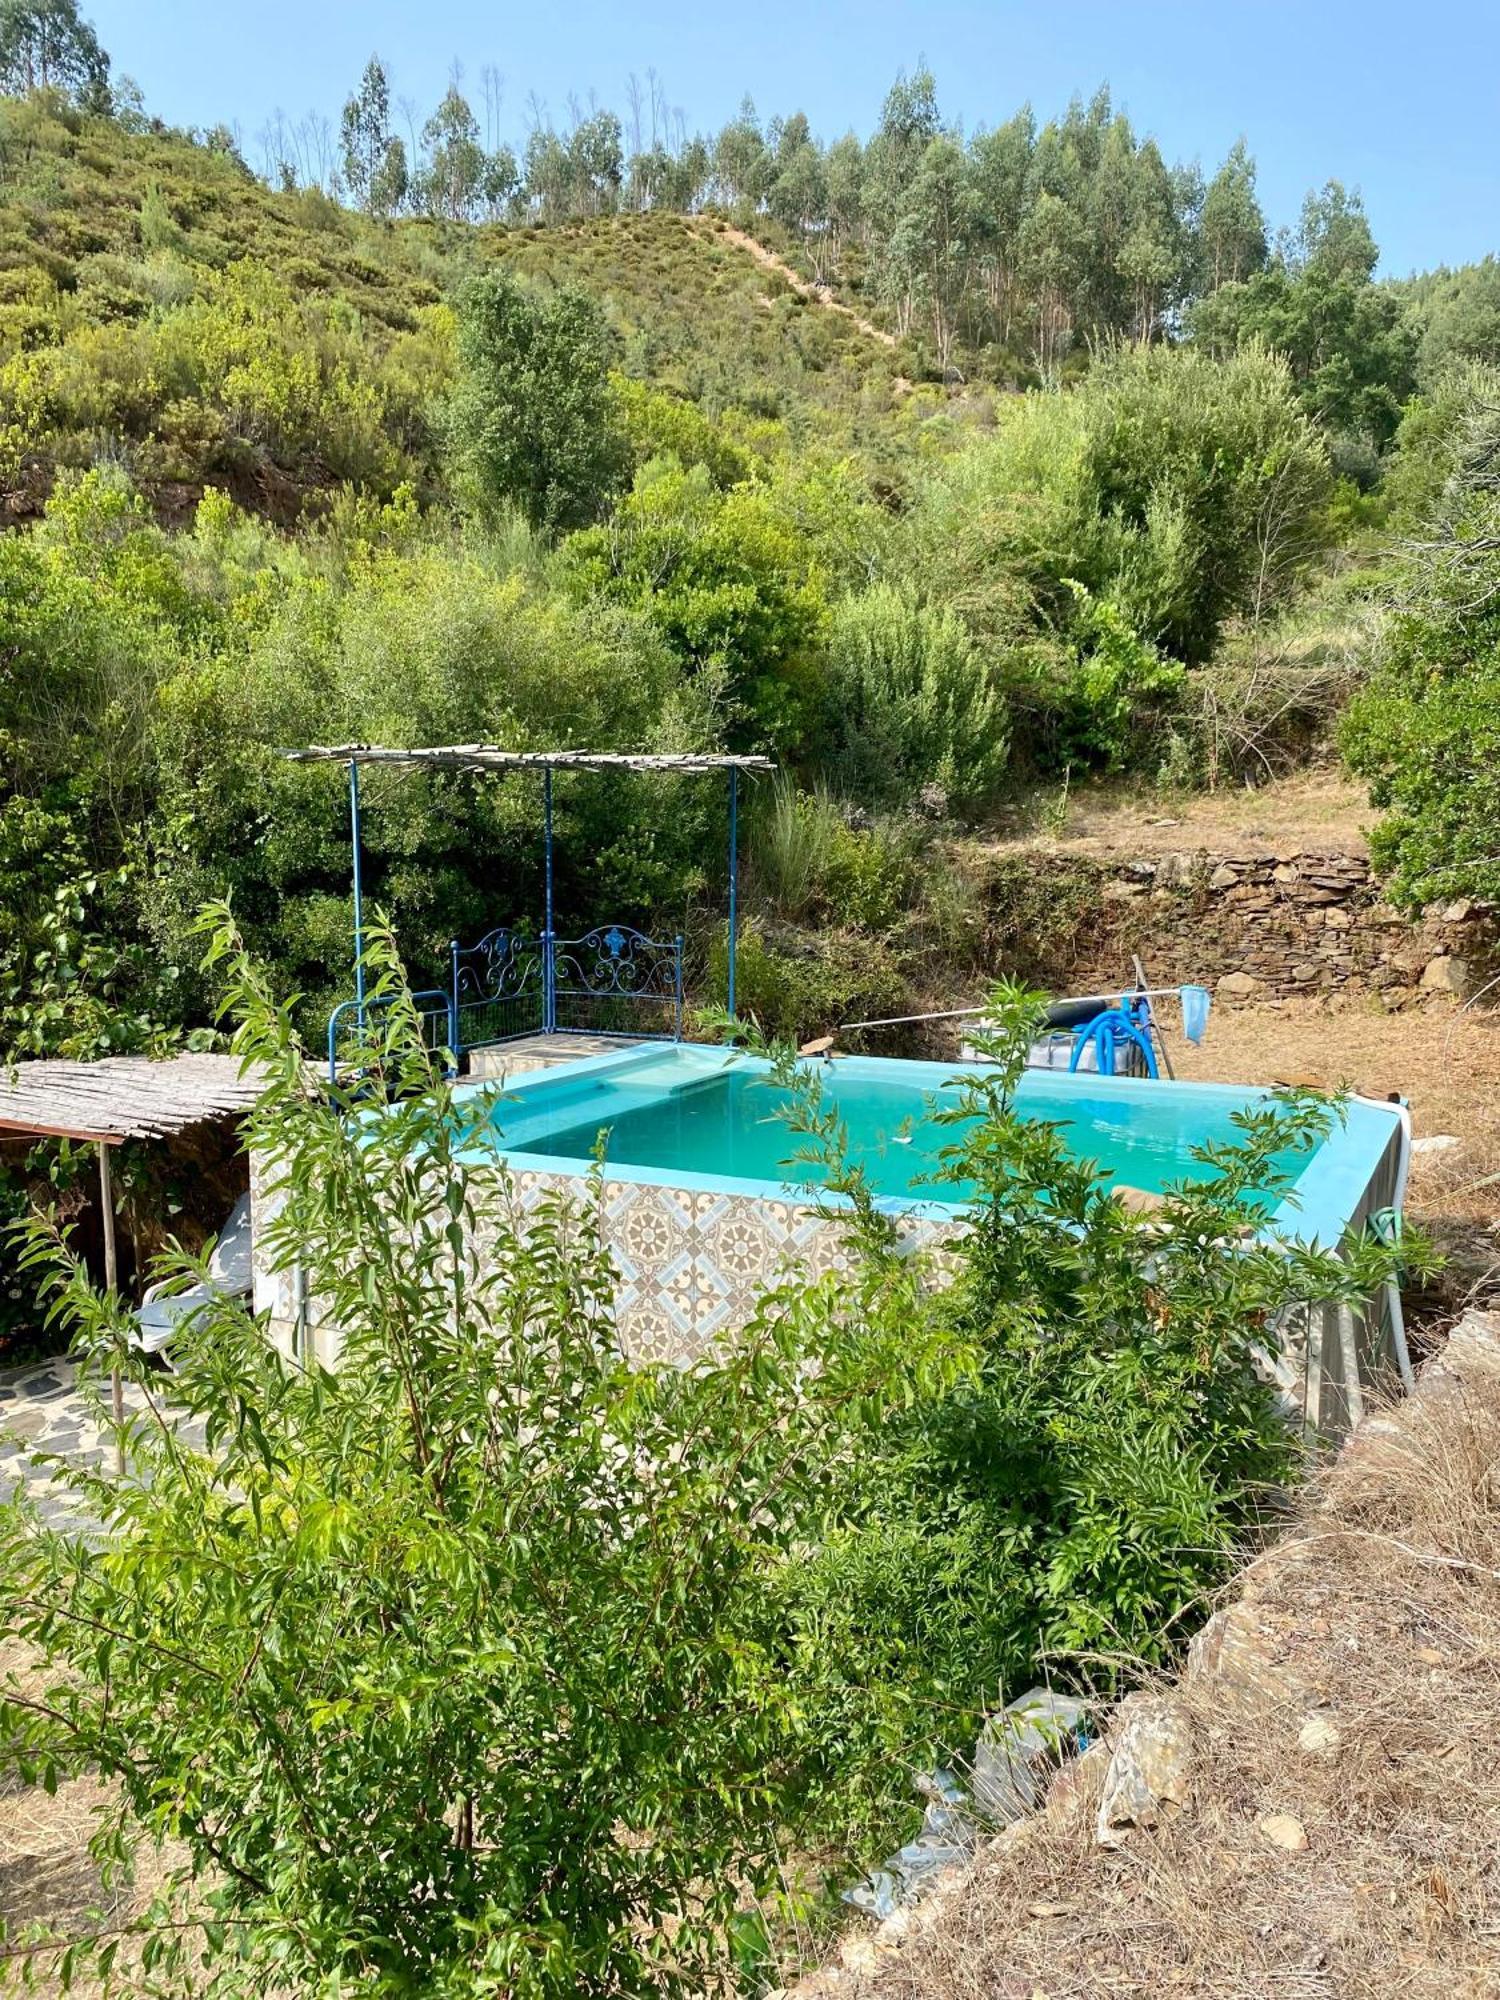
795, 984
1426, 731
487, 1662
911, 704
531, 423
1171, 490
734, 591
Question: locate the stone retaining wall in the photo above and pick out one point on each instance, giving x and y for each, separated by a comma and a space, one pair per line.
1271, 925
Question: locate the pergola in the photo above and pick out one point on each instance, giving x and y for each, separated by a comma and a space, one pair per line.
104, 1103
494, 757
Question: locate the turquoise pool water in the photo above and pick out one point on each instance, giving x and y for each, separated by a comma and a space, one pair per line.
699, 1116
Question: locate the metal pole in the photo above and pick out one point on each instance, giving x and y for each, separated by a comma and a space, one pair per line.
549, 989
359, 888
734, 871
112, 1281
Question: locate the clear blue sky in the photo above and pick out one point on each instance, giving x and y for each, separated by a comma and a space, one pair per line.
1400, 101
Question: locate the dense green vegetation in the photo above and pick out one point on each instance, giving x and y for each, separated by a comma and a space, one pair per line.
488, 1664
491, 1663
553, 456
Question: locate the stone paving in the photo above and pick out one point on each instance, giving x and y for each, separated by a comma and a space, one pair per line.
44, 1407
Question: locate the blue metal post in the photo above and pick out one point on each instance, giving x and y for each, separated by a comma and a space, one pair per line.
734, 873
677, 990
549, 970
359, 887
453, 998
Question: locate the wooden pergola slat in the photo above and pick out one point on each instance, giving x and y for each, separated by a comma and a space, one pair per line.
122, 1097
493, 757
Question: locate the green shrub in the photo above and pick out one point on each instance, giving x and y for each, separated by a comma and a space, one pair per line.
1173, 490
489, 1662
796, 984
1426, 731
531, 423
911, 705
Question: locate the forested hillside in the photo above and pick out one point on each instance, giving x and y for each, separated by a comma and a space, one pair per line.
1101, 473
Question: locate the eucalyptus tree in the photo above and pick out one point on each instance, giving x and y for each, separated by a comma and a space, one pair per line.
47, 45
1233, 228
452, 176
365, 135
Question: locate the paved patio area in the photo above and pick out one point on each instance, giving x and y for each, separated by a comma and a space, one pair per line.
44, 1408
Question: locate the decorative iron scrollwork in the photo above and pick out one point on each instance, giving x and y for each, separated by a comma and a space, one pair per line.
504, 965
614, 960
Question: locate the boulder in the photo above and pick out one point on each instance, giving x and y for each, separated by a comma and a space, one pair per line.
1445, 975
1239, 985
1148, 1773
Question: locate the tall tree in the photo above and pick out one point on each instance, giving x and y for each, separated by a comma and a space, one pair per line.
930, 255
1054, 247
531, 423
1000, 167
47, 45
742, 165
1335, 235
454, 173
1233, 229
364, 132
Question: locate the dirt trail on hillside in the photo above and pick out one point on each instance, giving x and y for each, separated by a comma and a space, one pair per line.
726, 232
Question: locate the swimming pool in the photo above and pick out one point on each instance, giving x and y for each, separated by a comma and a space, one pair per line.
702, 1206
690, 1116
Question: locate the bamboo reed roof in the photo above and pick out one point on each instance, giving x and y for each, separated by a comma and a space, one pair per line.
491, 757
122, 1097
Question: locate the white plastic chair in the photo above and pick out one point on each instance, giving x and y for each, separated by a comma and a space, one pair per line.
162, 1311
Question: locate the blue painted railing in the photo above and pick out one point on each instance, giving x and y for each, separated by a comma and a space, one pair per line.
611, 980
434, 1008
615, 980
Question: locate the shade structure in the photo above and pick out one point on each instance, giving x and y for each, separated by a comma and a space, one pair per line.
492, 757
495, 757
123, 1097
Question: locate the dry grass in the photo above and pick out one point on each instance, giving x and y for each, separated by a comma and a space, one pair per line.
1315, 812
1444, 1060
1378, 1614
48, 1879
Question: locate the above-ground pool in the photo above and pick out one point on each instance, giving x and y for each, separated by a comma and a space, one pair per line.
711, 1118
703, 1206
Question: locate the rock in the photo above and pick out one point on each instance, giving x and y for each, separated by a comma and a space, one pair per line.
1239, 985
1318, 1737
1148, 1773
1224, 876
1436, 1142
1445, 975
1137, 1201
1306, 972
1336, 919
1457, 912
1018, 1749
1285, 1832
1286, 871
